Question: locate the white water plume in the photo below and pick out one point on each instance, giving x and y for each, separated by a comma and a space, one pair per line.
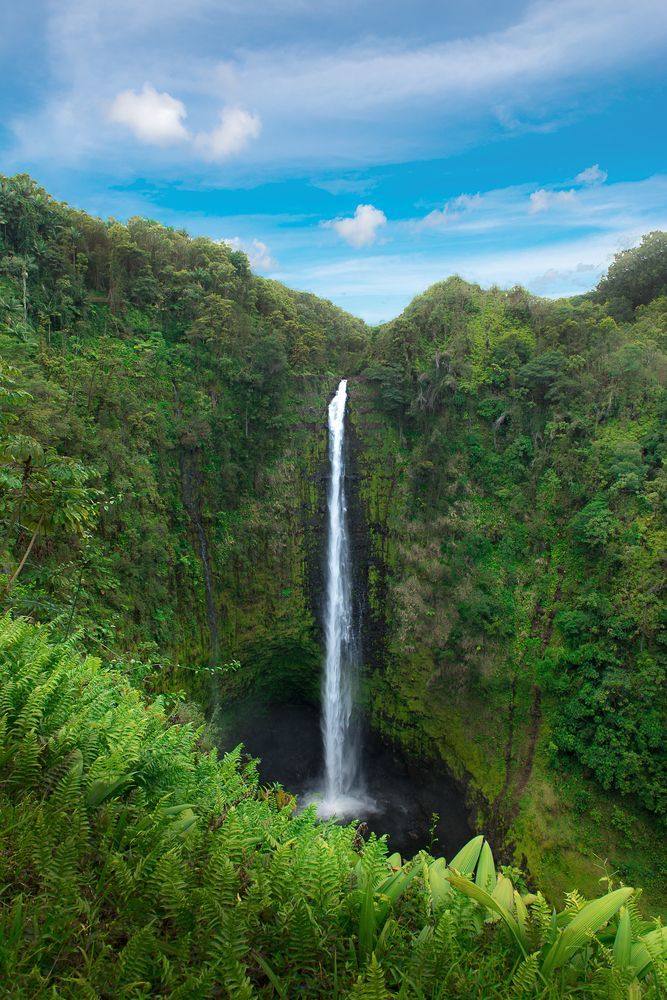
341, 745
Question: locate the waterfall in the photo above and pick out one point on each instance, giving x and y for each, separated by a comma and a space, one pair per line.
341, 660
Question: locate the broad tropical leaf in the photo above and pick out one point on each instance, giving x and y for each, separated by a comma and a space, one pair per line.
589, 920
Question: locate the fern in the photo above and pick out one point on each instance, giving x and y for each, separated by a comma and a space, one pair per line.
187, 880
135, 962
26, 766
539, 923
220, 876
526, 976
302, 933
574, 902
371, 986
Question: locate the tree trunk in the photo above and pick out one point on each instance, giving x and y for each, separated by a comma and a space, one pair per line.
27, 552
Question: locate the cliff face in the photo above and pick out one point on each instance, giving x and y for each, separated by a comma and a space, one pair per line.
461, 619
412, 612
271, 595
163, 450
440, 688
268, 588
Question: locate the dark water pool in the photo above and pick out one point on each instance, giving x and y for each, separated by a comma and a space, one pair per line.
287, 739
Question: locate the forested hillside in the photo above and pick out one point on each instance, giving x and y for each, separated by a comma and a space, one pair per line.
155, 397
162, 470
516, 489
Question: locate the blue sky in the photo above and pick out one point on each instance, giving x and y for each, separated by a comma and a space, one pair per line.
358, 150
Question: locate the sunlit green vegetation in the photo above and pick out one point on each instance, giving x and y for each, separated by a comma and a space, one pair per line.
161, 450
148, 387
536, 432
135, 863
522, 458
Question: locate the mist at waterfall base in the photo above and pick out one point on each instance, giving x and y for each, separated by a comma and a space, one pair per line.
403, 793
346, 771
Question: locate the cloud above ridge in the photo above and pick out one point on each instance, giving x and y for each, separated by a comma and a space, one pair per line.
591, 175
362, 229
154, 118
236, 129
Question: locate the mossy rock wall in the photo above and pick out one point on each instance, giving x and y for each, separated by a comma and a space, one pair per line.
269, 585
443, 687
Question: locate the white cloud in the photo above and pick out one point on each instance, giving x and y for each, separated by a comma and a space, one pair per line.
153, 117
388, 98
236, 129
453, 209
256, 251
591, 175
157, 119
361, 230
542, 200
551, 253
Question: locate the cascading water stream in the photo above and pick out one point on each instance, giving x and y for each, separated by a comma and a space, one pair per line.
341, 745
286, 738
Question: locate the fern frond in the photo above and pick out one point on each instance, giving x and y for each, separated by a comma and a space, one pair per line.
526, 976
371, 986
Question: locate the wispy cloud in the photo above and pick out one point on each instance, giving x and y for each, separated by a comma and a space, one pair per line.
453, 209
578, 277
545, 199
552, 50
542, 200
387, 98
346, 185
591, 175
588, 204
551, 41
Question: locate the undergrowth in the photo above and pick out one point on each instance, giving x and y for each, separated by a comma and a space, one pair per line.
135, 864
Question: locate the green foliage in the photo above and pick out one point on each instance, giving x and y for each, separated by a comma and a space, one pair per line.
524, 545
136, 864
636, 276
151, 396
594, 524
160, 459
